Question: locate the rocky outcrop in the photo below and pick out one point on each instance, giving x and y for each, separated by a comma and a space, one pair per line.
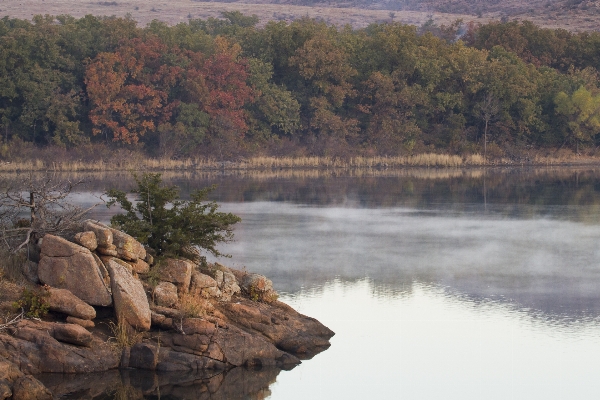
66, 265
226, 280
139, 266
280, 324
34, 346
186, 318
204, 285
104, 237
128, 248
257, 287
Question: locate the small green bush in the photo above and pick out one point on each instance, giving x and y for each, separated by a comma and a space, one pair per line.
33, 302
170, 226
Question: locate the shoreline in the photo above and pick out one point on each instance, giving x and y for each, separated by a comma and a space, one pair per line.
261, 164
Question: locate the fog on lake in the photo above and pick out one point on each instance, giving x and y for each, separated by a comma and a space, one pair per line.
465, 284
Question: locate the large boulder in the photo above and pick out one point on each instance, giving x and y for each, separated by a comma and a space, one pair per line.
103, 233
178, 272
131, 304
55, 246
192, 326
139, 266
227, 284
103, 272
165, 294
204, 285
110, 250
32, 347
280, 324
8, 371
62, 300
66, 265
127, 247
87, 239
201, 281
86, 323
258, 287
73, 334
143, 356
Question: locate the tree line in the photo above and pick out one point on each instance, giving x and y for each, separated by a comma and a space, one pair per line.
227, 88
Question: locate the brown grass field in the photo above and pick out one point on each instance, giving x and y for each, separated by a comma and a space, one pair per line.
176, 11
559, 15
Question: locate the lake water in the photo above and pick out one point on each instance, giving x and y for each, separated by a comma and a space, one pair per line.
461, 284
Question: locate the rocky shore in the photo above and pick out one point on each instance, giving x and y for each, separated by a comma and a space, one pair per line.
113, 310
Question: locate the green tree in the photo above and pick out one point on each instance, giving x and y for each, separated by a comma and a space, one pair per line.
582, 111
168, 225
274, 110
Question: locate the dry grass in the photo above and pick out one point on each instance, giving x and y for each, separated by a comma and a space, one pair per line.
151, 164
176, 11
137, 162
193, 306
127, 392
11, 266
564, 156
423, 160
123, 335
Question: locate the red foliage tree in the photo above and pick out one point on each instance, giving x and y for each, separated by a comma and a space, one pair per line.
129, 89
140, 85
225, 75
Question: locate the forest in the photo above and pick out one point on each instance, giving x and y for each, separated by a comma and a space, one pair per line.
227, 88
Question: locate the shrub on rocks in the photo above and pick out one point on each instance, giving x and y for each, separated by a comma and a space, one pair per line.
170, 226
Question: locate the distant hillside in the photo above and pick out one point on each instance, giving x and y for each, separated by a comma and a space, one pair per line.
573, 15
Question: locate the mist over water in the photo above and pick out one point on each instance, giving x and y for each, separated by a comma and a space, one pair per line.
548, 265
455, 285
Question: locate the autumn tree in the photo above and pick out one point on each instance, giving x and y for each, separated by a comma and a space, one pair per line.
129, 89
487, 110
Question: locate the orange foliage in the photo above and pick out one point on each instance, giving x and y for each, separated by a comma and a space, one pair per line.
131, 90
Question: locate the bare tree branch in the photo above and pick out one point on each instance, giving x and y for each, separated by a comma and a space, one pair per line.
44, 201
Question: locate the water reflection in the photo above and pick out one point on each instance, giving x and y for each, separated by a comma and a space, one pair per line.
438, 283
434, 343
542, 264
497, 191
238, 383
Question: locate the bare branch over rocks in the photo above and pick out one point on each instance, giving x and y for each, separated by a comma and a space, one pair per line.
35, 206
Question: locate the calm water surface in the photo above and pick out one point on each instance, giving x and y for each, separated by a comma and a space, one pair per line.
462, 285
